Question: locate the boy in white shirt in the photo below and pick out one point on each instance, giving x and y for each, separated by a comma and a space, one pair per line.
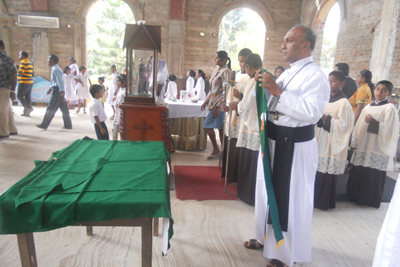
97, 114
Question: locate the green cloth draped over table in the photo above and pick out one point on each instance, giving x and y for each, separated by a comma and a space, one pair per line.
90, 180
262, 111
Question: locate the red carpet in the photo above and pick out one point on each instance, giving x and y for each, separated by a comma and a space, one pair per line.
201, 183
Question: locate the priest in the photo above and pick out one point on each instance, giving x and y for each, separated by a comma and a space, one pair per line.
296, 102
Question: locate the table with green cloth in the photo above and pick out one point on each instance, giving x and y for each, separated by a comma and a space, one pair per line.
91, 181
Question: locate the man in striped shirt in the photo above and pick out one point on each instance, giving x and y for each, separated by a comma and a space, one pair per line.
25, 83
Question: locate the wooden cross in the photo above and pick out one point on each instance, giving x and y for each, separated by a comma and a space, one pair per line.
143, 127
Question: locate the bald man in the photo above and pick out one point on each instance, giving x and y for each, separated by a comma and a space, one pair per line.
296, 101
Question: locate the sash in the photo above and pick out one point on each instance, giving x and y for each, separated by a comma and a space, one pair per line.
262, 110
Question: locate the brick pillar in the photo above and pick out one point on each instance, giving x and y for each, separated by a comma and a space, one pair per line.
176, 38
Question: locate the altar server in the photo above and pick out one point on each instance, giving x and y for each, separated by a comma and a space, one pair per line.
190, 81
332, 134
387, 252
375, 139
296, 102
248, 141
199, 91
162, 76
172, 88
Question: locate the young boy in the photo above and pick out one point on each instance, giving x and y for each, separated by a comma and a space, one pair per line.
97, 114
374, 138
332, 135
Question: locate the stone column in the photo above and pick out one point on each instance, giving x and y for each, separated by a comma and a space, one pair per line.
40, 53
176, 38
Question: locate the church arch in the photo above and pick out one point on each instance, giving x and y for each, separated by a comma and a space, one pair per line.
85, 6
254, 5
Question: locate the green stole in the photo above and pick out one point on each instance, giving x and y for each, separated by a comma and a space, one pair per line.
262, 110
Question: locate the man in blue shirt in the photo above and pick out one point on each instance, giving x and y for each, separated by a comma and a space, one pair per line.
57, 99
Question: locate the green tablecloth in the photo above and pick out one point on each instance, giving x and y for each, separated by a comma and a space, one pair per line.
90, 180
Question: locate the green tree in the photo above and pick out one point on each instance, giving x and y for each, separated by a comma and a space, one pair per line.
105, 35
327, 54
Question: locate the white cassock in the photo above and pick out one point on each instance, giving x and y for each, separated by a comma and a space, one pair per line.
112, 88
162, 76
199, 91
303, 102
189, 84
387, 251
172, 91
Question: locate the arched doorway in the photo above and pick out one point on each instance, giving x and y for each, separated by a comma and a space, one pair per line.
330, 33
241, 28
105, 28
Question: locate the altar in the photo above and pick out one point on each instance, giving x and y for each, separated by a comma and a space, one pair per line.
186, 124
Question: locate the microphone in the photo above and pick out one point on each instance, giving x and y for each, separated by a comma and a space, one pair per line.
233, 76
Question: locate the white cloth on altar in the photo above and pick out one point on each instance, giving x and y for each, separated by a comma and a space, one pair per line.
233, 131
199, 91
172, 91
181, 109
162, 76
112, 88
387, 251
248, 136
333, 146
376, 150
303, 103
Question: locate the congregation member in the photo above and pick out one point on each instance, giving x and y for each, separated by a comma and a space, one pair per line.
374, 139
57, 100
232, 121
350, 86
74, 71
213, 101
83, 88
332, 133
162, 76
199, 91
8, 82
112, 89
248, 140
103, 99
25, 82
278, 71
69, 83
172, 88
121, 93
363, 96
97, 115
296, 101
388, 244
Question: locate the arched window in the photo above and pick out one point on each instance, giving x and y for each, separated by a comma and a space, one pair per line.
241, 28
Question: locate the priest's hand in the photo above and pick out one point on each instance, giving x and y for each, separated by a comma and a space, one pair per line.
368, 118
203, 107
233, 106
270, 84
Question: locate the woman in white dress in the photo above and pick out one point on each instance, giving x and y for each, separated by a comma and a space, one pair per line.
121, 92
74, 72
83, 88
69, 83
199, 91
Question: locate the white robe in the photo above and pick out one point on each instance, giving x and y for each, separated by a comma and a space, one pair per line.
387, 251
112, 88
172, 91
118, 101
162, 76
333, 145
70, 87
376, 150
303, 102
189, 84
199, 91
83, 90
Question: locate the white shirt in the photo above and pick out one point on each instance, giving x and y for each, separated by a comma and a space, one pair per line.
74, 68
172, 91
189, 84
304, 97
162, 76
200, 88
112, 88
96, 109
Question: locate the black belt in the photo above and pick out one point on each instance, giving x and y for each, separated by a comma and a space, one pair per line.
285, 138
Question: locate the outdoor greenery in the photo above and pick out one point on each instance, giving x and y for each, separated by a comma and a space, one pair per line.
241, 28
105, 35
327, 54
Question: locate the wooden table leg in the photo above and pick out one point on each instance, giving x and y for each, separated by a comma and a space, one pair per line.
155, 230
89, 230
26, 246
147, 242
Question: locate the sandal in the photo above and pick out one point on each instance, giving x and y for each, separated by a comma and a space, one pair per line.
213, 156
253, 244
276, 263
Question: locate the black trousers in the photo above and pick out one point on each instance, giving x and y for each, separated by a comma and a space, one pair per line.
54, 104
24, 95
99, 135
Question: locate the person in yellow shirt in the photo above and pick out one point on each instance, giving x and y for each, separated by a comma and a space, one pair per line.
25, 82
364, 95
